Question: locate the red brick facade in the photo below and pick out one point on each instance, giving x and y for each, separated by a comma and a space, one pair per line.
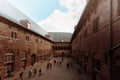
20, 47
96, 40
61, 49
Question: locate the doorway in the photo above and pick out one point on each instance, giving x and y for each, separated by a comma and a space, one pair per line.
33, 59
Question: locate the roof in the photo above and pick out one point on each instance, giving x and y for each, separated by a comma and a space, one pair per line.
61, 36
13, 14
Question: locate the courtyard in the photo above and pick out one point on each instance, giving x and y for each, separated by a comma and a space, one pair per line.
57, 72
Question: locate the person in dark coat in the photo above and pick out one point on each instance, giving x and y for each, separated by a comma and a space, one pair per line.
40, 72
21, 75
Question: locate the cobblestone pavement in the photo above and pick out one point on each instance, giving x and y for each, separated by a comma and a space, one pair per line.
56, 73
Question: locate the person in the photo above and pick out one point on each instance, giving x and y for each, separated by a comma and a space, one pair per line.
47, 65
21, 75
60, 63
50, 64
57, 63
68, 65
71, 64
35, 71
30, 73
54, 62
40, 72
8, 72
62, 59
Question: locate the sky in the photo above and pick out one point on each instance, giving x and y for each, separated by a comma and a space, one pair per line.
52, 15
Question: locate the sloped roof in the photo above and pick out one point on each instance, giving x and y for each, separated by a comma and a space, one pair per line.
13, 14
61, 36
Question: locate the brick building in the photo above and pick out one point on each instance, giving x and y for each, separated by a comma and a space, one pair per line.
23, 42
20, 47
96, 40
61, 43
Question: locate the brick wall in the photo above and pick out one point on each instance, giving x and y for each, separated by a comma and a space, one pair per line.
91, 48
36, 45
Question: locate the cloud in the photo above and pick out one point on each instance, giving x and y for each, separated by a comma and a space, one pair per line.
64, 21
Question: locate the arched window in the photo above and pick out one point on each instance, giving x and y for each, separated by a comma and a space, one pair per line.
58, 47
64, 47
9, 62
61, 47
53, 47
67, 48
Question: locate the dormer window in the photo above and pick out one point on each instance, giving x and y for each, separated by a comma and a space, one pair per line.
26, 23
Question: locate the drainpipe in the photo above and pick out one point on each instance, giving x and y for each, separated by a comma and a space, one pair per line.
110, 41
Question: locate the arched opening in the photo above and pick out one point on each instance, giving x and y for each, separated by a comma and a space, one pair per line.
33, 59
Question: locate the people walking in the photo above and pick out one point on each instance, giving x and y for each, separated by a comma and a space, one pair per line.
62, 59
30, 73
54, 62
35, 71
21, 75
47, 65
57, 63
71, 64
8, 72
40, 72
68, 65
60, 63
50, 64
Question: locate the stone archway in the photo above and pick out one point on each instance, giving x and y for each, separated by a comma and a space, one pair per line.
33, 59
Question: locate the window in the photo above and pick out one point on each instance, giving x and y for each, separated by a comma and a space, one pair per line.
53, 47
23, 56
68, 48
96, 25
27, 38
56, 48
64, 47
9, 57
23, 59
61, 48
13, 34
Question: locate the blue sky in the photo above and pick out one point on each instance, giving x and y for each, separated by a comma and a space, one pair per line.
52, 15
36, 9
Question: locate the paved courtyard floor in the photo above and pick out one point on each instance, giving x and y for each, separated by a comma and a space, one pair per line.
55, 73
